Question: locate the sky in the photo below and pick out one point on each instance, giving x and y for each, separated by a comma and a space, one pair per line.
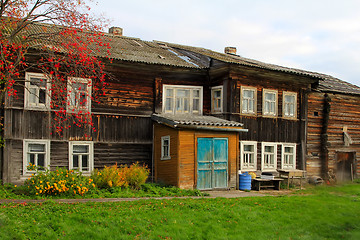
315, 35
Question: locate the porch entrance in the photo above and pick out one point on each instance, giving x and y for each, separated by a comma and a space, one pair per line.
345, 166
212, 163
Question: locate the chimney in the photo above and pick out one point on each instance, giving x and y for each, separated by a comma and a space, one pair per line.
116, 31
230, 50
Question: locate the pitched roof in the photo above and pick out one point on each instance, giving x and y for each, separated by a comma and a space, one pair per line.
163, 53
326, 83
198, 122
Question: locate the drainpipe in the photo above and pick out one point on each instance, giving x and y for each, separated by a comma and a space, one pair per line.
324, 151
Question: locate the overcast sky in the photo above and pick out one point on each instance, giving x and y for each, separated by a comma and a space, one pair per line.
315, 35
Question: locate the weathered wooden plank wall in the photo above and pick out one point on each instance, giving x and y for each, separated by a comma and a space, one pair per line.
344, 113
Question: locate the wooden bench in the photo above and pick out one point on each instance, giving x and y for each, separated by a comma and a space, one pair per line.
291, 174
260, 183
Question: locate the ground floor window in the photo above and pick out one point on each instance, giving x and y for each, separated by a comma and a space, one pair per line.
81, 156
268, 156
36, 155
288, 158
165, 147
248, 155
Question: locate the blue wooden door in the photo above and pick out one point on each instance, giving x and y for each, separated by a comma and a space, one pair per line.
212, 163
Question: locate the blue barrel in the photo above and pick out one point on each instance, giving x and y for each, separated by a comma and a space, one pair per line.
245, 181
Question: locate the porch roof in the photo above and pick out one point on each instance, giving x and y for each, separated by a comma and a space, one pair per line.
199, 122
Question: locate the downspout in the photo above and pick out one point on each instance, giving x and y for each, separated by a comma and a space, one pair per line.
324, 151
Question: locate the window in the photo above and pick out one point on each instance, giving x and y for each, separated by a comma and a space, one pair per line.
248, 155
248, 100
288, 158
182, 99
165, 148
216, 99
79, 94
36, 155
81, 156
289, 104
269, 102
269, 156
37, 91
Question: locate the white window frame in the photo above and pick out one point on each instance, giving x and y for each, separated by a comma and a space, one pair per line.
242, 157
213, 100
270, 114
70, 107
26, 143
263, 157
283, 156
285, 114
183, 87
91, 155
37, 105
163, 156
246, 111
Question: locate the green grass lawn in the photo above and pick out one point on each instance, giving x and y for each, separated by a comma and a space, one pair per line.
317, 213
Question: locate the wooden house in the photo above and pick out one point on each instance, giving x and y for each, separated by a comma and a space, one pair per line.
195, 117
333, 133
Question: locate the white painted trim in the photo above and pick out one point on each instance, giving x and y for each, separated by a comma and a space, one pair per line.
283, 154
91, 155
263, 144
220, 110
241, 100
242, 143
27, 104
26, 143
69, 107
185, 87
295, 104
276, 103
163, 138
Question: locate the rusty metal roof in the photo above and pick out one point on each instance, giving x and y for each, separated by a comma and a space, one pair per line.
198, 122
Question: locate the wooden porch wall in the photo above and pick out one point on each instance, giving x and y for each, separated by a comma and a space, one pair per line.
344, 112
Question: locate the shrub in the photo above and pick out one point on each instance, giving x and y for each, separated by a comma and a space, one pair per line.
110, 177
137, 175
59, 182
114, 176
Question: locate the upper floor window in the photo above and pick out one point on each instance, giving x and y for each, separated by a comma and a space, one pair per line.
81, 156
269, 102
217, 99
37, 91
288, 158
182, 99
269, 156
79, 94
36, 155
289, 104
248, 155
248, 100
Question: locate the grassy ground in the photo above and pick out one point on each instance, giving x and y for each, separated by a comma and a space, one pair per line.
320, 213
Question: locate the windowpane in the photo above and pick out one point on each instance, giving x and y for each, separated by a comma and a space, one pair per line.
32, 95
168, 104
249, 148
169, 92
270, 96
181, 100
80, 148
289, 149
31, 158
269, 149
38, 82
41, 160
196, 104
42, 96
85, 163
36, 147
196, 93
75, 161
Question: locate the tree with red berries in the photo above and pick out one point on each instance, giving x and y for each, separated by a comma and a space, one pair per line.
61, 41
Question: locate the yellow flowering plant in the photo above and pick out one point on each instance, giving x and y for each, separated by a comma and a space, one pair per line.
59, 182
